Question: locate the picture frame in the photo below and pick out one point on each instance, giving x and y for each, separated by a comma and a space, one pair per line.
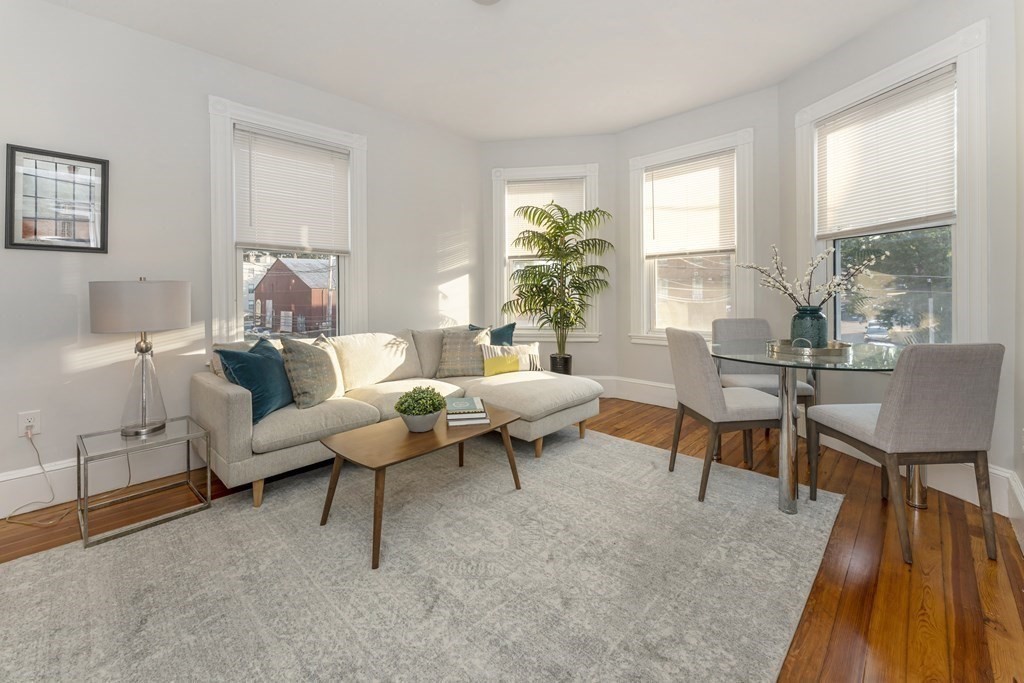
56, 201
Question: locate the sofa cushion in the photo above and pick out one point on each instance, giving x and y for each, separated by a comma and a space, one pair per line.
460, 352
290, 426
428, 346
383, 396
313, 371
261, 371
376, 357
532, 394
500, 336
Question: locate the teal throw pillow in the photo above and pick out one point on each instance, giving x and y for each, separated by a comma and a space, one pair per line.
500, 336
261, 371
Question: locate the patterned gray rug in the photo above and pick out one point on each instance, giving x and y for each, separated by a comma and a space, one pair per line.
604, 566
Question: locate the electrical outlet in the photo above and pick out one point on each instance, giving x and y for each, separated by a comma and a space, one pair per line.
29, 418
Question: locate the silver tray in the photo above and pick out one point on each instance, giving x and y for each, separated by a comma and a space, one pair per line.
836, 350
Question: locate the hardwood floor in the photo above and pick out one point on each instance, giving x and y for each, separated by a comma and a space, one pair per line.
952, 615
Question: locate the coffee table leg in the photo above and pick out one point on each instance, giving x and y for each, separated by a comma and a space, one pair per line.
462, 449
511, 456
378, 514
335, 471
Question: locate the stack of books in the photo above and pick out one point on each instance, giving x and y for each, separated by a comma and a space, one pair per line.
466, 411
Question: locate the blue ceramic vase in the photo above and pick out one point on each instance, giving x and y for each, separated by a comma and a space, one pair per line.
811, 324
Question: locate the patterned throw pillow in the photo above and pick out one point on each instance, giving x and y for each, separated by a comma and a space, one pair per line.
499, 359
460, 352
261, 371
313, 371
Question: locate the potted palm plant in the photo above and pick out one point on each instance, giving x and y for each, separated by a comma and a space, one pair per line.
557, 292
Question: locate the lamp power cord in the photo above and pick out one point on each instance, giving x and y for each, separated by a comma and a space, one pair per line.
53, 494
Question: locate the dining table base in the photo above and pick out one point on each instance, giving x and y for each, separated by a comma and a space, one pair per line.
788, 482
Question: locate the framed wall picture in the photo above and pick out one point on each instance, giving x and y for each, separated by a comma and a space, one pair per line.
56, 201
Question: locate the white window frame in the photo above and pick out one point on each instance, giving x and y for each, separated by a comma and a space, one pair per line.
742, 142
966, 49
499, 284
227, 286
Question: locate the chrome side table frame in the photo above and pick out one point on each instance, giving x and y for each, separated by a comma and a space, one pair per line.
111, 444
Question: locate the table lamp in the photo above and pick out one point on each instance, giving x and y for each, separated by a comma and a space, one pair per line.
140, 307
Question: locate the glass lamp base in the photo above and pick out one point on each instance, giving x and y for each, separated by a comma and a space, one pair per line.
144, 411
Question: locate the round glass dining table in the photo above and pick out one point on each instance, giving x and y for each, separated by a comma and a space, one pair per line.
862, 357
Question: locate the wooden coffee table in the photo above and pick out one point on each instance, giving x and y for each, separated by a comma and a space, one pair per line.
378, 446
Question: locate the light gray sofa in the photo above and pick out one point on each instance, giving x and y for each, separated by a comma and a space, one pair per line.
376, 369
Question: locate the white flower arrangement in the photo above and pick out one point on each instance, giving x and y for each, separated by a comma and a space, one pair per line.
802, 291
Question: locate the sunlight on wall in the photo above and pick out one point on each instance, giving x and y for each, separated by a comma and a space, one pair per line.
122, 348
452, 251
453, 301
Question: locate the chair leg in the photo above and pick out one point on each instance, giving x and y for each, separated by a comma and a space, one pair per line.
709, 456
718, 449
885, 483
892, 471
812, 456
680, 411
748, 448
985, 498
767, 434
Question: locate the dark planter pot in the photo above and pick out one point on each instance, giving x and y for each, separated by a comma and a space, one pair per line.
561, 364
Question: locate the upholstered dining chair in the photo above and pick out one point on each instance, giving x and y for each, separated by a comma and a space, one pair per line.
939, 408
761, 377
700, 394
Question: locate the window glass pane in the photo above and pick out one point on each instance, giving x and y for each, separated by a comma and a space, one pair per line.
691, 291
908, 297
289, 294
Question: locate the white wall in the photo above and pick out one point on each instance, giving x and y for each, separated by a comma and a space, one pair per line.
89, 87
899, 37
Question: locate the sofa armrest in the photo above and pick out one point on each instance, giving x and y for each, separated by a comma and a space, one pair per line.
225, 410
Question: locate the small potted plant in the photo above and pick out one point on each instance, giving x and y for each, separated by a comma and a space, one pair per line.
420, 408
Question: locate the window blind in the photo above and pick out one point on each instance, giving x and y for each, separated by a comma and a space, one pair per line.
891, 161
690, 206
569, 193
290, 194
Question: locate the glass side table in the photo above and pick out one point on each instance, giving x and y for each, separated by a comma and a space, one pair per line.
111, 444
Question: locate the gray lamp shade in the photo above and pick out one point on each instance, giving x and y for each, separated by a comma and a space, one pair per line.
139, 305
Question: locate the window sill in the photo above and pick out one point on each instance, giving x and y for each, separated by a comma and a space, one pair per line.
546, 336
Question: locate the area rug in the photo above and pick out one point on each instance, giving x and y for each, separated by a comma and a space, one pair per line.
603, 567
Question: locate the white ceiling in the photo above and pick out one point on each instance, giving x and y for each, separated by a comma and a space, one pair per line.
520, 68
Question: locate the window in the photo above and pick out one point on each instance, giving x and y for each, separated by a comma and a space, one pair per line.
897, 162
289, 217
575, 188
291, 233
886, 187
689, 208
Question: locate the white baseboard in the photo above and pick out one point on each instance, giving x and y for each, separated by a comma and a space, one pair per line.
1016, 513
639, 390
956, 480
27, 487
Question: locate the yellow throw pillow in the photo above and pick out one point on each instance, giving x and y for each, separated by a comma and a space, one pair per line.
501, 359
